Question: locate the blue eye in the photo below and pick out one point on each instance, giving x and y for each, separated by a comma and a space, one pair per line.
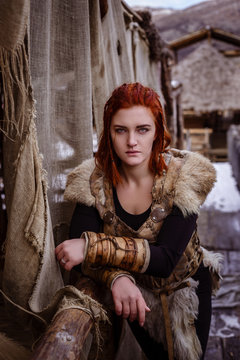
143, 130
120, 131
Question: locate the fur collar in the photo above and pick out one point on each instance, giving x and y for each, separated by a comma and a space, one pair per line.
194, 181
78, 186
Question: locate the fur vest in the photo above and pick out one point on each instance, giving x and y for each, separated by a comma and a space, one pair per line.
186, 183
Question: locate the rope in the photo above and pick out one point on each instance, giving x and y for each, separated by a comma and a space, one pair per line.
114, 242
22, 308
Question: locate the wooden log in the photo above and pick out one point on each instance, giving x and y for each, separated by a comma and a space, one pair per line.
66, 335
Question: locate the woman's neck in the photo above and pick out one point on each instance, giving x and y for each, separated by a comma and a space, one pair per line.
135, 191
135, 175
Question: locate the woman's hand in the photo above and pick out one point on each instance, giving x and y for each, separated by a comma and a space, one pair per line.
128, 300
70, 253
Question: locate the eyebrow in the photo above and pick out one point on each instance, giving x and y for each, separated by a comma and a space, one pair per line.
139, 126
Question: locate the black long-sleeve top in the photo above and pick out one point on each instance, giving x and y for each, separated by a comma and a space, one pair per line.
171, 240
164, 255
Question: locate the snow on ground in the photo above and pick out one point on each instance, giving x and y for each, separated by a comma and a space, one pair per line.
224, 196
225, 325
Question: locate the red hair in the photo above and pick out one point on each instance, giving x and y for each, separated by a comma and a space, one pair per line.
126, 96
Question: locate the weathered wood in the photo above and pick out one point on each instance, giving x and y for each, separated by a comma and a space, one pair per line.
66, 335
202, 34
231, 348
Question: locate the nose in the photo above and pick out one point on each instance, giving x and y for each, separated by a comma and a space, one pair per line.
132, 141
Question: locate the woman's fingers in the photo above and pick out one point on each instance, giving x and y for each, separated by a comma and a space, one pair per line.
70, 253
133, 310
128, 300
125, 309
68, 265
63, 259
141, 311
142, 308
60, 254
58, 249
118, 307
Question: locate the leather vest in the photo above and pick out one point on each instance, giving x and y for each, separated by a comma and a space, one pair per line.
163, 198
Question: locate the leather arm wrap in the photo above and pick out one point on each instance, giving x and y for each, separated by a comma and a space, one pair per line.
126, 253
106, 275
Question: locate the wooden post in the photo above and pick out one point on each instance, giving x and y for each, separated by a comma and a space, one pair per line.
66, 335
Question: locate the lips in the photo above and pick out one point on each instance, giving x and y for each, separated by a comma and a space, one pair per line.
132, 152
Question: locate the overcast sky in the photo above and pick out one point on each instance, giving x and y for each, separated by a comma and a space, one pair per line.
174, 4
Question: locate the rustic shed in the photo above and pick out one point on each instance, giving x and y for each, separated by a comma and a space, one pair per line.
211, 89
211, 81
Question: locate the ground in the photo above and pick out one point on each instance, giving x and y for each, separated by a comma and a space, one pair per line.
219, 230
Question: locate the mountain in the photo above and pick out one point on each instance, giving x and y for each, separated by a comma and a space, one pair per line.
223, 14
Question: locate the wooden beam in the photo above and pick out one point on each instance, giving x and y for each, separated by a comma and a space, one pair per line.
202, 34
66, 335
231, 53
136, 16
200, 131
189, 39
225, 36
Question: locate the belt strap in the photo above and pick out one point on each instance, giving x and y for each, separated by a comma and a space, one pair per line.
167, 324
166, 317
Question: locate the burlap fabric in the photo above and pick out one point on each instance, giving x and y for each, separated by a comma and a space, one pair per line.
60, 62
29, 234
32, 279
77, 57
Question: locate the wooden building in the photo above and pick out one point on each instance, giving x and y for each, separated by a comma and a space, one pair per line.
210, 81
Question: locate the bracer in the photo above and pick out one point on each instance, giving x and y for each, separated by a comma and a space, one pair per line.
127, 253
105, 275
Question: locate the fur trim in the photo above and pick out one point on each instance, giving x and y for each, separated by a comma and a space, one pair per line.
183, 310
214, 261
195, 181
77, 187
11, 350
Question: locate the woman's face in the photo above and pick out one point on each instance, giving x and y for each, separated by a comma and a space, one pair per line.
132, 132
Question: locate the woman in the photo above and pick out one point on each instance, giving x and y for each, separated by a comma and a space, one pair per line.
134, 227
